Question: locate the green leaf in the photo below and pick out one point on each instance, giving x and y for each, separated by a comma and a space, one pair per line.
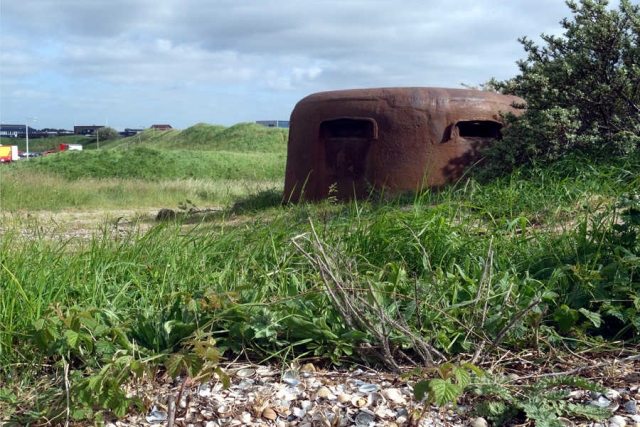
594, 318
473, 368
565, 317
420, 389
137, 368
72, 338
463, 378
174, 364
444, 391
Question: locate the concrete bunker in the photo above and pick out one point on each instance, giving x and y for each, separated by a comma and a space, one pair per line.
347, 143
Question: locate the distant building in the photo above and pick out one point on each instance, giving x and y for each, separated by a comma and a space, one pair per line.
130, 132
15, 131
85, 130
274, 123
161, 127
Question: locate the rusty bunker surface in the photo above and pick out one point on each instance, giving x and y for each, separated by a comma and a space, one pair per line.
347, 143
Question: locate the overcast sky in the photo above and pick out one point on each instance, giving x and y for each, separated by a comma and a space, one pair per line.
134, 63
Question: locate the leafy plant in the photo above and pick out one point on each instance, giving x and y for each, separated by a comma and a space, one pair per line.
449, 386
541, 402
581, 89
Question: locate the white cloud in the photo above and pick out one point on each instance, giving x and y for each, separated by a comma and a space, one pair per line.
136, 59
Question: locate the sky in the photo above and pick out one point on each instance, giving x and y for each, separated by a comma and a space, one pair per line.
134, 63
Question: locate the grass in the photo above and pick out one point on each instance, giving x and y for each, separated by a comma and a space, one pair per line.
25, 190
542, 260
151, 164
209, 165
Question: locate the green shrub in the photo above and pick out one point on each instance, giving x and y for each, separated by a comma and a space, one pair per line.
581, 89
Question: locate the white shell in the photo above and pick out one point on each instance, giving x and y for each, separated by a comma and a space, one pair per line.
343, 398
245, 372
612, 394
365, 418
245, 418
368, 388
224, 411
290, 378
393, 395
375, 399
323, 392
358, 401
617, 421
478, 422
299, 413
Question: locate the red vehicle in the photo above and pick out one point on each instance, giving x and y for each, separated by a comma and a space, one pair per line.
70, 147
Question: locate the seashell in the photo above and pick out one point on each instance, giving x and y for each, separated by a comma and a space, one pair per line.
384, 412
245, 384
224, 411
393, 395
575, 394
631, 407
156, 415
204, 391
306, 405
287, 395
402, 412
245, 418
308, 367
269, 414
264, 371
566, 422
323, 392
375, 399
612, 394
225, 421
358, 401
617, 421
206, 414
245, 372
299, 413
368, 388
344, 398
478, 422
365, 418
603, 402
290, 378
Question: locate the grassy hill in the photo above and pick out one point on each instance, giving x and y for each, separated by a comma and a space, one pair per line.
210, 165
242, 151
156, 165
242, 137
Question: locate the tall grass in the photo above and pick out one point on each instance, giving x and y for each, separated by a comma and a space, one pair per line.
151, 164
28, 190
544, 259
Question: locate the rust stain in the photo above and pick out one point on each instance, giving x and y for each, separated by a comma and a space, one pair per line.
347, 143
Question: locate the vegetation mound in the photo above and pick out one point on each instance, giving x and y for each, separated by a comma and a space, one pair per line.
152, 164
242, 137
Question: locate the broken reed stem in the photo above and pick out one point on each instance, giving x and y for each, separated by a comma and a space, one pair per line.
357, 310
67, 386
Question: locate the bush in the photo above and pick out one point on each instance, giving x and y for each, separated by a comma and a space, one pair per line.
582, 89
107, 134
